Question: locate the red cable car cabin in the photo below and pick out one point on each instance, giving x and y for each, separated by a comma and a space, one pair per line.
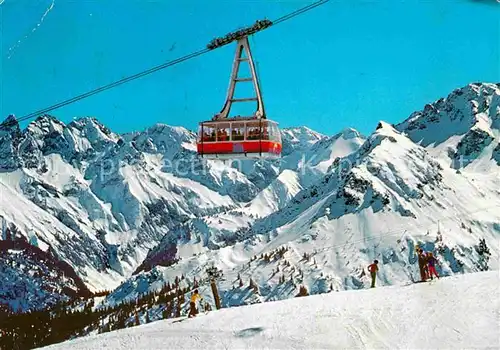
239, 139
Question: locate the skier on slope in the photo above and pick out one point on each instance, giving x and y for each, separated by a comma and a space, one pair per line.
431, 263
422, 263
373, 268
194, 297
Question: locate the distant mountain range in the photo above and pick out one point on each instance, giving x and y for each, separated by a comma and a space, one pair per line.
95, 210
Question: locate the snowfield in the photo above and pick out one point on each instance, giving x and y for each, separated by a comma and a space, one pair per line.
461, 311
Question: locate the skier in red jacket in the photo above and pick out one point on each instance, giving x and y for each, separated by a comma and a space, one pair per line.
373, 268
431, 264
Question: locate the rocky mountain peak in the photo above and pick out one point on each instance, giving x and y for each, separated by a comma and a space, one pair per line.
9, 126
454, 115
350, 133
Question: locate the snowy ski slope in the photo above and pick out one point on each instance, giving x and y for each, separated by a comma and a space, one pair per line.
456, 312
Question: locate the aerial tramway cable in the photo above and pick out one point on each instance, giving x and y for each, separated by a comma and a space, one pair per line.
148, 71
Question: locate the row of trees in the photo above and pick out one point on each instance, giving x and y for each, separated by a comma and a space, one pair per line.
80, 317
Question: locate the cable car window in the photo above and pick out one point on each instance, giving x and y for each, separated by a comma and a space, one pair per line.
223, 132
265, 130
208, 133
253, 131
273, 132
200, 133
237, 131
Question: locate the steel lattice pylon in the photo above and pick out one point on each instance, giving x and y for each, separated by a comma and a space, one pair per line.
243, 46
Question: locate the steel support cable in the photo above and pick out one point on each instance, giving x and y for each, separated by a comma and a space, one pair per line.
114, 84
148, 71
299, 11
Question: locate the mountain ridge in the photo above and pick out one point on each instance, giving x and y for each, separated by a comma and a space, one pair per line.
117, 207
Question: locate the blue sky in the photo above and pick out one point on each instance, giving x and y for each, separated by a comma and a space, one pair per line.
344, 64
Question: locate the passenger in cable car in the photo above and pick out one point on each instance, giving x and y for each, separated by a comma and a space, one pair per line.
209, 137
265, 133
253, 134
250, 134
222, 135
236, 134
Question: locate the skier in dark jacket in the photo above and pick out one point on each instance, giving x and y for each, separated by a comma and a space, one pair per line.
422, 262
373, 268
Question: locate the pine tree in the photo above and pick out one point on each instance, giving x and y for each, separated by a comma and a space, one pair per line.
178, 310
253, 285
484, 255
169, 309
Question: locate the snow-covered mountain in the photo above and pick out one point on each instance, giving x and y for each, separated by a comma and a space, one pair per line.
300, 138
99, 201
309, 161
463, 127
137, 210
31, 277
360, 199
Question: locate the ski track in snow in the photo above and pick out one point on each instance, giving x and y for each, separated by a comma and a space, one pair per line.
13, 49
454, 312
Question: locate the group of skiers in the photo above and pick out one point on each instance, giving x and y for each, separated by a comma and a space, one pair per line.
426, 264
